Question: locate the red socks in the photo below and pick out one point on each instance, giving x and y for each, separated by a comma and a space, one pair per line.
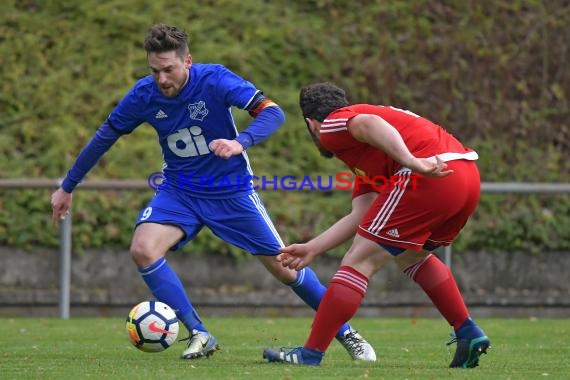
435, 278
348, 287
340, 302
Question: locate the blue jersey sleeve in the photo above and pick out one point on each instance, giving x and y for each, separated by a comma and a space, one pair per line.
127, 115
100, 143
123, 120
264, 125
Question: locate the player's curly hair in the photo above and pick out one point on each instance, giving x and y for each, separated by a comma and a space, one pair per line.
162, 38
318, 100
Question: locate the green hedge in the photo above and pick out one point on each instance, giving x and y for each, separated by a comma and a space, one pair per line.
493, 73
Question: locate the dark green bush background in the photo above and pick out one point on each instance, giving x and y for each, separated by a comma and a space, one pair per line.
494, 73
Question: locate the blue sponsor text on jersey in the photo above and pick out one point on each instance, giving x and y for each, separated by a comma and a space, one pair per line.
200, 182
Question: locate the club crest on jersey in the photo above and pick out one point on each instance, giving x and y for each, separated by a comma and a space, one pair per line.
198, 111
360, 172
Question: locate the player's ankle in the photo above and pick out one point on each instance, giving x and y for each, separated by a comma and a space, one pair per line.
469, 330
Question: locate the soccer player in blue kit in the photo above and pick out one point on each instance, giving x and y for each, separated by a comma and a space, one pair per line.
205, 164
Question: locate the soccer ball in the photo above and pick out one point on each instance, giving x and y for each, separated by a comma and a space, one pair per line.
152, 326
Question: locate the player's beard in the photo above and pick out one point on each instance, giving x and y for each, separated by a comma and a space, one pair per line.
172, 91
325, 153
174, 88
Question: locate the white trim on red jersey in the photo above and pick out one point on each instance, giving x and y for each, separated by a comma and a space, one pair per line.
332, 125
450, 156
389, 206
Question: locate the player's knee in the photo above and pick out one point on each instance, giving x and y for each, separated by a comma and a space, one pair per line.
410, 257
142, 254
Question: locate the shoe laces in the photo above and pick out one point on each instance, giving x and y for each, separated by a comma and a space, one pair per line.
288, 349
189, 338
354, 343
453, 340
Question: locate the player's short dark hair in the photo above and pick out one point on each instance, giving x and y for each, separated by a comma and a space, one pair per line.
318, 100
162, 38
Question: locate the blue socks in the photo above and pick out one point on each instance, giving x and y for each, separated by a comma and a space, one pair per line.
309, 289
469, 330
166, 287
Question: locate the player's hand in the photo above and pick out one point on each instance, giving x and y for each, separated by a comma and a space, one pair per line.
429, 168
225, 148
296, 256
60, 204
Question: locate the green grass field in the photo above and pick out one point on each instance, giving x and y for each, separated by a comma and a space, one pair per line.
407, 349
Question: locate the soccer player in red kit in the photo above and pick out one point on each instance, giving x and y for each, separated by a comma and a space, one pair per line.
402, 224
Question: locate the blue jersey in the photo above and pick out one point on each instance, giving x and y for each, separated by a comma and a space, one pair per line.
187, 123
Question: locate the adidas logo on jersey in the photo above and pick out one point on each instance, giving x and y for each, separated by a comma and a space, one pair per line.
393, 232
160, 115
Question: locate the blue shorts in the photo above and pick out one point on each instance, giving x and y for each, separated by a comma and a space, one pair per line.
242, 221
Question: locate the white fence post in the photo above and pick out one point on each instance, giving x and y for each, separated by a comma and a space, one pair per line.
65, 267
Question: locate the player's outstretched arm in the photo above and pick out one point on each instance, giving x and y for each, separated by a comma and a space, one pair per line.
298, 256
375, 131
102, 140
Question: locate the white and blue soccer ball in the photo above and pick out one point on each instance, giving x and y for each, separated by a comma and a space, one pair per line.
152, 326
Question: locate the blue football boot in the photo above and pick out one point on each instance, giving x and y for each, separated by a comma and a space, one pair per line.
299, 355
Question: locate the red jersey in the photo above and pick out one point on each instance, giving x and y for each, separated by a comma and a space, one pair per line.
423, 138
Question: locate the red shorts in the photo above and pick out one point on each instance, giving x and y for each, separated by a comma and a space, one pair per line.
424, 212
